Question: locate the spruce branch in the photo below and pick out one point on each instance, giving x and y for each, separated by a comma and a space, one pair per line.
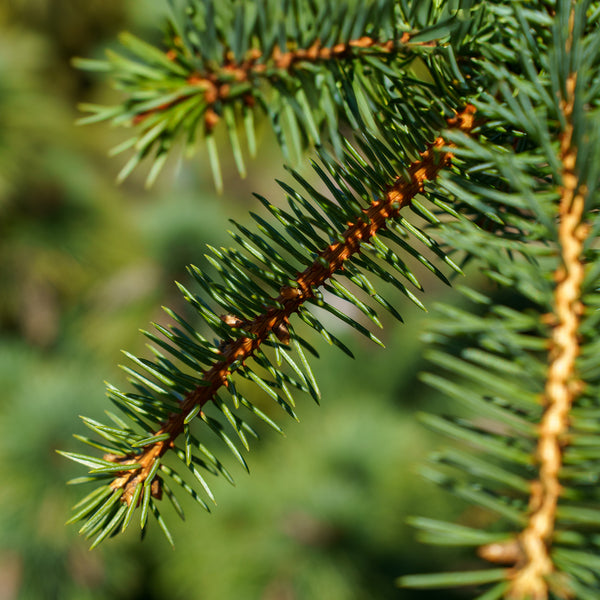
221, 84
250, 56
521, 188
290, 299
534, 564
562, 386
518, 365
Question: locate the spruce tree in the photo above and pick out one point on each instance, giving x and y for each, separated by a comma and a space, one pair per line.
445, 133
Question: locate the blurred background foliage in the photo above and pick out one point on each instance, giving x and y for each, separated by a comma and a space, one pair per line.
83, 265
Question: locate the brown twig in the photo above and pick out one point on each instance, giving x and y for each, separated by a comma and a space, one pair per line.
216, 85
330, 260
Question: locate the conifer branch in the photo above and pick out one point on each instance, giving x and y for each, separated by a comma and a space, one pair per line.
290, 65
522, 195
563, 385
530, 551
226, 83
275, 320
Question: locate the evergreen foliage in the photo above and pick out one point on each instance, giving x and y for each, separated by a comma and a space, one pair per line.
447, 134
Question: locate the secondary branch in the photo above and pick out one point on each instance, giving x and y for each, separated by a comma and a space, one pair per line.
432, 161
224, 84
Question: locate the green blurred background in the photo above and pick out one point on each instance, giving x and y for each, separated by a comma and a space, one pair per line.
83, 265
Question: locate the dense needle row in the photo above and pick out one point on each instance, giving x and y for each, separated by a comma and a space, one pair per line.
296, 251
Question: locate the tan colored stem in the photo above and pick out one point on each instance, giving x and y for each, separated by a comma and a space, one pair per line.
562, 385
330, 260
534, 576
